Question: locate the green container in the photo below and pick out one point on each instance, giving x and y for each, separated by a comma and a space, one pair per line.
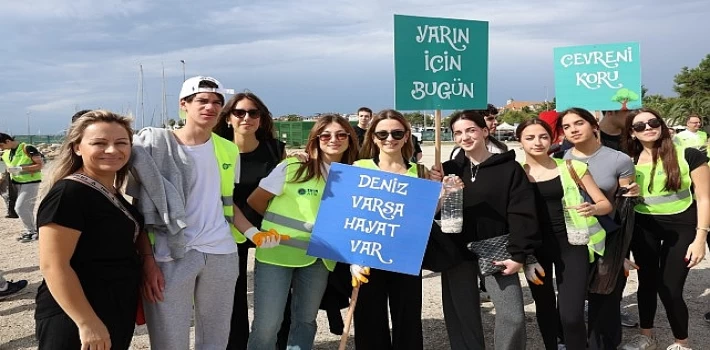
295, 133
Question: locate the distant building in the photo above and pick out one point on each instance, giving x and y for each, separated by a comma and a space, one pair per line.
512, 105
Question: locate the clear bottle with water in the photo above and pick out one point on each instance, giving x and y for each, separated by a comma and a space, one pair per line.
577, 230
452, 206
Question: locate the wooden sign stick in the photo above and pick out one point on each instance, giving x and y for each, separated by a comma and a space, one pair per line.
348, 319
437, 137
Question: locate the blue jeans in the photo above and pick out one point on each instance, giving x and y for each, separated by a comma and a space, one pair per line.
271, 286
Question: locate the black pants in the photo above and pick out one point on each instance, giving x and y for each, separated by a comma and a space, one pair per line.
566, 311
372, 331
659, 246
59, 332
604, 317
239, 331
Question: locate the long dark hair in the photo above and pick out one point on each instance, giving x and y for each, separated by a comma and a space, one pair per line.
663, 148
370, 149
313, 167
582, 113
266, 124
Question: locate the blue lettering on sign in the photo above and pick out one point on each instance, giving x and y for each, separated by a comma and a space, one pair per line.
373, 218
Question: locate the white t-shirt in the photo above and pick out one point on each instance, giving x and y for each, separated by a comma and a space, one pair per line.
681, 137
274, 183
207, 230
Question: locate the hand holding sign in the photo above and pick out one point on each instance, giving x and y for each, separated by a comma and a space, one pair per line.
358, 274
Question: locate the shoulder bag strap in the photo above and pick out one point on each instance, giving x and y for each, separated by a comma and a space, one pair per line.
576, 178
111, 197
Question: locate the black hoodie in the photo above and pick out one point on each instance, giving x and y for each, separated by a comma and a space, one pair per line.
500, 201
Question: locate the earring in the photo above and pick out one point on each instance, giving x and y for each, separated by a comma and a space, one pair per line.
633, 137
229, 125
78, 154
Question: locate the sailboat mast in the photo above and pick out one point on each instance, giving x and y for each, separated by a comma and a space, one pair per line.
164, 113
140, 112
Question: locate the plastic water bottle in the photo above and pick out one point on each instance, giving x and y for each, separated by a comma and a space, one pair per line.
452, 206
577, 234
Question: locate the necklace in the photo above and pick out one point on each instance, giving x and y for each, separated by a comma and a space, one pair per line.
474, 174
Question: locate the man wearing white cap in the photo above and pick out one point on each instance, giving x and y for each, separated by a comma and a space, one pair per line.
185, 181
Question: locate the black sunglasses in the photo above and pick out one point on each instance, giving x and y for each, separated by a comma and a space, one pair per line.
240, 113
641, 126
326, 136
384, 134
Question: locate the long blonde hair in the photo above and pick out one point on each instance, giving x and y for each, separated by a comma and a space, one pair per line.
68, 162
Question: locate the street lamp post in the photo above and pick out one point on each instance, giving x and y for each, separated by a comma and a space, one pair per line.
183, 70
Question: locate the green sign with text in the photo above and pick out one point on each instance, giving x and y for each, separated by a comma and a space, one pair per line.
440, 63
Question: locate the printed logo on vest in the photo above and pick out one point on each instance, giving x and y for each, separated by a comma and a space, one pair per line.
226, 166
307, 192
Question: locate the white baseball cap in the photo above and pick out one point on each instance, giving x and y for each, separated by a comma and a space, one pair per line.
192, 86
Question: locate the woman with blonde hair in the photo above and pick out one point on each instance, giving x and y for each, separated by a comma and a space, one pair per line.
285, 265
89, 236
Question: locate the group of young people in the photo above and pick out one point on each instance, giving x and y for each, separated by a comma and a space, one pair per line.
203, 195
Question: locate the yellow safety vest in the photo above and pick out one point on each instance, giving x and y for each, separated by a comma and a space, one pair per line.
597, 235
293, 213
370, 164
227, 154
695, 142
21, 159
658, 201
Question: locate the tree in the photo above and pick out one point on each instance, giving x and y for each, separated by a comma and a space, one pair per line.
516, 117
694, 82
624, 96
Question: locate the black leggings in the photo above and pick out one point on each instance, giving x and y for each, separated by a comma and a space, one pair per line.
239, 331
404, 293
567, 310
659, 246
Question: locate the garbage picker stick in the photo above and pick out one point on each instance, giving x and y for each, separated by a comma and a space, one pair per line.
349, 318
437, 137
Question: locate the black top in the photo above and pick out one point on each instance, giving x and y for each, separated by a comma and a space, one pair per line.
500, 201
360, 134
256, 165
417, 148
549, 206
105, 258
611, 141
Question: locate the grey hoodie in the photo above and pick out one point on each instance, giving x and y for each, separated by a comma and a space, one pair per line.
161, 178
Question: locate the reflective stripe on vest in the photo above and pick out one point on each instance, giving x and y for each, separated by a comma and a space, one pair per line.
658, 201
227, 154
293, 213
21, 159
288, 222
597, 235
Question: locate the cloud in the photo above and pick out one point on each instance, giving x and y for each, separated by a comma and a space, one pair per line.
302, 56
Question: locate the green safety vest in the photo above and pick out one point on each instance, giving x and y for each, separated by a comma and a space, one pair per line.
571, 194
227, 154
694, 142
660, 202
293, 213
370, 164
597, 235
20, 159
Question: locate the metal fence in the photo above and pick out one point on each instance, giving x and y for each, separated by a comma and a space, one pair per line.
35, 139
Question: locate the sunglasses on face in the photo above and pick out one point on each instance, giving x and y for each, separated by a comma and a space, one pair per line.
641, 126
241, 113
326, 136
384, 134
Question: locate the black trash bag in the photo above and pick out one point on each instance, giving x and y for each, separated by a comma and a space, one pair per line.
605, 272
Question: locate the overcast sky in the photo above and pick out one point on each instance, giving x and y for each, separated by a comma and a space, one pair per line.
302, 57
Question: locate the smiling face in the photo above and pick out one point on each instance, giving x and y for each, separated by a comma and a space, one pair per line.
649, 127
535, 140
245, 117
333, 140
104, 148
204, 109
468, 135
390, 136
577, 129
693, 124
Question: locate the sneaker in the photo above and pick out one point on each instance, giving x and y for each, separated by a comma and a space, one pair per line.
29, 237
641, 342
11, 216
561, 347
12, 288
676, 346
707, 317
627, 319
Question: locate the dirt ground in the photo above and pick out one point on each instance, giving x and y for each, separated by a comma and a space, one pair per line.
20, 261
